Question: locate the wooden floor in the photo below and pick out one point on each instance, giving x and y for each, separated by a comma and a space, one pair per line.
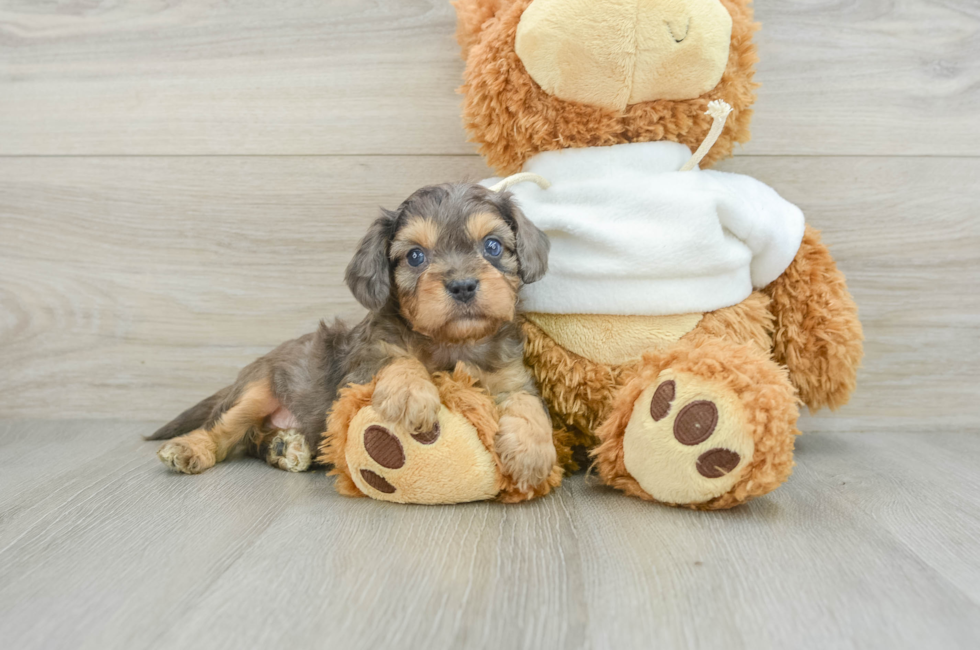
181, 186
872, 543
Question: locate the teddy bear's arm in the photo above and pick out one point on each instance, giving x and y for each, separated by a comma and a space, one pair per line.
817, 334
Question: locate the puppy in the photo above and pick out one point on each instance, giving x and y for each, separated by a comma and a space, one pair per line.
440, 277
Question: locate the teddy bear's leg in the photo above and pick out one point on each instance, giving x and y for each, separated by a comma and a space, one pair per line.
708, 424
453, 462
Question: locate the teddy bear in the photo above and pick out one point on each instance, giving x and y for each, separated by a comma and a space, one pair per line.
687, 313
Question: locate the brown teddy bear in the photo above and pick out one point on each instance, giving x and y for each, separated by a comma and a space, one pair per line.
686, 313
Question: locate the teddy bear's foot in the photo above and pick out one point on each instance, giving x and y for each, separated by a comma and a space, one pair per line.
448, 464
687, 440
453, 462
710, 426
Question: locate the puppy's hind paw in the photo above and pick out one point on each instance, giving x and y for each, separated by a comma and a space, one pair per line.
288, 451
186, 456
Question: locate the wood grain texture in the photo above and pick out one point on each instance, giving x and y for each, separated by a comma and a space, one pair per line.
346, 76
133, 287
106, 549
161, 224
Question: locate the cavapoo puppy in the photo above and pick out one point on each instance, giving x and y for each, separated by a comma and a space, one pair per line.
440, 277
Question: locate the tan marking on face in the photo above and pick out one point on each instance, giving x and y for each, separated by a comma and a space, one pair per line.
484, 224
497, 297
428, 307
419, 231
432, 311
495, 304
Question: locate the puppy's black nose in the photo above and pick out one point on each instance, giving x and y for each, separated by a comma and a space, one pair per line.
463, 290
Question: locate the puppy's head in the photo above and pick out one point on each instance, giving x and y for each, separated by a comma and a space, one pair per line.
450, 259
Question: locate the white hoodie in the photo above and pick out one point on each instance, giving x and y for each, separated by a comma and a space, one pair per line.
632, 235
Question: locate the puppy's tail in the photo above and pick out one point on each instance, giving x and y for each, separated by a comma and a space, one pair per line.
193, 418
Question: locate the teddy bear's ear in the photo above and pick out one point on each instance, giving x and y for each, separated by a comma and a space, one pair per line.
471, 17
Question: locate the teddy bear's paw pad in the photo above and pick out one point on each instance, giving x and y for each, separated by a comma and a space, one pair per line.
447, 464
377, 482
289, 451
687, 441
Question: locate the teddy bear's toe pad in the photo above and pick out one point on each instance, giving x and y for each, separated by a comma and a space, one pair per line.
686, 441
446, 465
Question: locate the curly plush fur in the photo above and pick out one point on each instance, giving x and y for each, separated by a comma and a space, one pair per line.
817, 333
512, 118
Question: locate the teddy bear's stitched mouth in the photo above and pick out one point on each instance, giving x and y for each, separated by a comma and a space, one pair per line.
687, 30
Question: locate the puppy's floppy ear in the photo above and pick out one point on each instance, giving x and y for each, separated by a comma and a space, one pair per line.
532, 244
368, 275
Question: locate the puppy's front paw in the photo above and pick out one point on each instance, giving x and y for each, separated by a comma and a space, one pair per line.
410, 400
526, 450
187, 456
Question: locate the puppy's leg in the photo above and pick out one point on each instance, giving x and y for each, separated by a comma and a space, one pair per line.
524, 441
202, 448
405, 394
525, 438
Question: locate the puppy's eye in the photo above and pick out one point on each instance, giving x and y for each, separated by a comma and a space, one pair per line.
493, 247
415, 257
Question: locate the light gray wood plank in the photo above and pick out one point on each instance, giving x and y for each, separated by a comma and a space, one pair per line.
37, 455
870, 77
190, 77
132, 287
123, 539
893, 480
799, 568
148, 77
847, 555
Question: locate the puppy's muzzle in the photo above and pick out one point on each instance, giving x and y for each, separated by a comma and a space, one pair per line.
463, 291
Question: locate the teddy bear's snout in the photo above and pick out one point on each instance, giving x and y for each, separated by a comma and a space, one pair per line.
623, 52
